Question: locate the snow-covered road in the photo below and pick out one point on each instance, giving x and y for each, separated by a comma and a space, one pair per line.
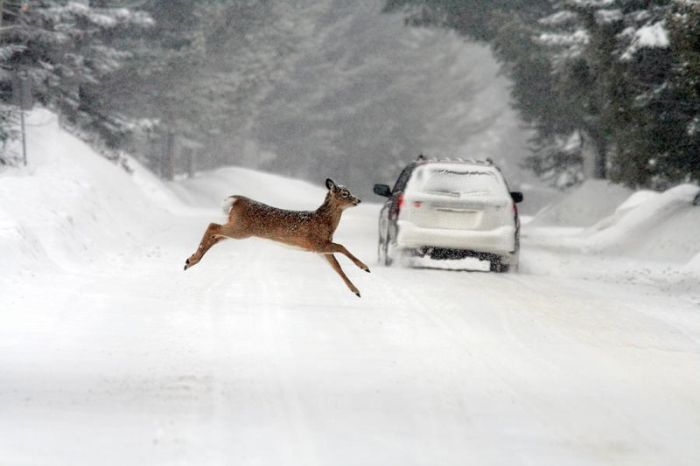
110, 354
259, 355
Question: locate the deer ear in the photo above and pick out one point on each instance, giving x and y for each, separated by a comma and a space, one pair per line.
330, 184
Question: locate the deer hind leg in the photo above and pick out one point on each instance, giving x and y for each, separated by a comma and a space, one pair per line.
336, 266
340, 249
210, 238
234, 230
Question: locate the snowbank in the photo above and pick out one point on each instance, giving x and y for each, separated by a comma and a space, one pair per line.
209, 189
537, 198
664, 227
589, 203
636, 199
70, 206
645, 225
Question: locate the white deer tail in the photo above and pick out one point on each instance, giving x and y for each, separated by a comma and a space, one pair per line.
228, 203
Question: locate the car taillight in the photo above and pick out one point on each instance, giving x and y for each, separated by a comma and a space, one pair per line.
396, 207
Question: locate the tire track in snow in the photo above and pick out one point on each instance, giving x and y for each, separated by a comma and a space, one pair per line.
258, 305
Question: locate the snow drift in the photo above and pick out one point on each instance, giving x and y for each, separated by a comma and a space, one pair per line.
70, 206
644, 225
590, 202
72, 209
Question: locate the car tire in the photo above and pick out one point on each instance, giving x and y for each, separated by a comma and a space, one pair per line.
389, 251
383, 255
496, 265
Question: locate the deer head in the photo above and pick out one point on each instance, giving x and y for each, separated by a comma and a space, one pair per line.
340, 195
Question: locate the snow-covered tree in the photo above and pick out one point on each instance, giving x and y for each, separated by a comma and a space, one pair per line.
682, 157
203, 69
598, 68
64, 49
608, 85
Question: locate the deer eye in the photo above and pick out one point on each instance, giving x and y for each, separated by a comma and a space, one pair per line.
345, 194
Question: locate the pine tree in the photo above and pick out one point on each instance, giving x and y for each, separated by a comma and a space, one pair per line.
683, 155
202, 71
63, 47
610, 80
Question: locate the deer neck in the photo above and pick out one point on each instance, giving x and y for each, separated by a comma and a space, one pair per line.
330, 212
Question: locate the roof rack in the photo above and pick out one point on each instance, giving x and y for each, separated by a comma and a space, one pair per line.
423, 158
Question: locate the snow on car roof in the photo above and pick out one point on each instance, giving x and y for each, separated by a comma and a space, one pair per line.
453, 165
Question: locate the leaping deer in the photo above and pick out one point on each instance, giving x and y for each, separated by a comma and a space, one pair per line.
308, 230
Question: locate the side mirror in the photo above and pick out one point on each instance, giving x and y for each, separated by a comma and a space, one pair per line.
517, 197
382, 190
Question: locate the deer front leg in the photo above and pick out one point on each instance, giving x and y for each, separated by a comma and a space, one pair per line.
336, 266
208, 240
340, 249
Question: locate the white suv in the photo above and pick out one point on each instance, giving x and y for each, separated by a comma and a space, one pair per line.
450, 210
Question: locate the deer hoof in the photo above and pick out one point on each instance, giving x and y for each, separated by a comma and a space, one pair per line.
357, 293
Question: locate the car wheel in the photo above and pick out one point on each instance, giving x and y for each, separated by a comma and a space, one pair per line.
389, 255
497, 266
383, 255
381, 252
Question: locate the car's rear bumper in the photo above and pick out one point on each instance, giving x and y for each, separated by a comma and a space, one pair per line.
497, 241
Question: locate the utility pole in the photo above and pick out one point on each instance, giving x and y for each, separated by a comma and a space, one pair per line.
22, 92
22, 97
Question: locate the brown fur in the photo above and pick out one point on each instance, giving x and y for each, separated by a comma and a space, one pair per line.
308, 230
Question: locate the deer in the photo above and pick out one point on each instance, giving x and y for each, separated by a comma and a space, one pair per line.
307, 230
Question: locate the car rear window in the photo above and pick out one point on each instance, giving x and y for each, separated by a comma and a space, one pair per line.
456, 182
